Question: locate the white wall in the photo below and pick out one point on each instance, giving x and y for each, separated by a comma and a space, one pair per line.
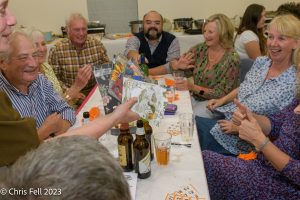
46, 15
202, 8
50, 15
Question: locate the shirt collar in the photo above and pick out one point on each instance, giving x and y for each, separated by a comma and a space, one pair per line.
8, 85
158, 41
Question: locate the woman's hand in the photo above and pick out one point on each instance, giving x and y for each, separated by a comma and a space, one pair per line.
228, 127
250, 130
123, 114
185, 61
214, 103
239, 114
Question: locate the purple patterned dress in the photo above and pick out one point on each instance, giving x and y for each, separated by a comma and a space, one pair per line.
233, 178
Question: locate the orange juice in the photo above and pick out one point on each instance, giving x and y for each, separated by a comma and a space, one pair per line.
162, 155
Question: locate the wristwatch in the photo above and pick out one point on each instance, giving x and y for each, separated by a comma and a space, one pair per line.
201, 92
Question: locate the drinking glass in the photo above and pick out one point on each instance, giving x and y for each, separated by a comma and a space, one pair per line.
162, 143
186, 121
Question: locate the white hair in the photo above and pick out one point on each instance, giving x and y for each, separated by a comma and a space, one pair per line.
79, 166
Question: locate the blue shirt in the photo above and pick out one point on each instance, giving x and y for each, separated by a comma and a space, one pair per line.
40, 102
261, 96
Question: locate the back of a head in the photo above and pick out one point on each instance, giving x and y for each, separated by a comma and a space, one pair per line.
289, 8
80, 166
225, 29
250, 18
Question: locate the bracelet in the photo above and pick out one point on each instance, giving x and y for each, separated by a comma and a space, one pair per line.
262, 145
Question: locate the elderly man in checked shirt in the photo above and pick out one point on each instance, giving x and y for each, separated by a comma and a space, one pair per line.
31, 94
75, 52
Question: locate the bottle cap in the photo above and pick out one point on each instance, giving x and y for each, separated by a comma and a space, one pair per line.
86, 115
139, 123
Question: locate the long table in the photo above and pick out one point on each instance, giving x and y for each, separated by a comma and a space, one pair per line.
186, 164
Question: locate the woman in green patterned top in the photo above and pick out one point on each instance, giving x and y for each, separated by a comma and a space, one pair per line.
215, 63
72, 95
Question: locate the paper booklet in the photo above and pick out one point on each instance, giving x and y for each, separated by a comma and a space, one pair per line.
151, 99
110, 96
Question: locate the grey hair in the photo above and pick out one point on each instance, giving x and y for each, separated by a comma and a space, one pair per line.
33, 33
14, 39
73, 17
78, 165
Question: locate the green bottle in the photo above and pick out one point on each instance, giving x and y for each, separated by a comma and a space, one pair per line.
143, 66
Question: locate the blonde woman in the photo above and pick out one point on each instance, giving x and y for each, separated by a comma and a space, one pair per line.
274, 174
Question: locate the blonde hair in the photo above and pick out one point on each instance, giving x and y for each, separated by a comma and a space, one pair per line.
288, 25
225, 29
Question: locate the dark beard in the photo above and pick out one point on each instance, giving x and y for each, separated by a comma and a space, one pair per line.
152, 37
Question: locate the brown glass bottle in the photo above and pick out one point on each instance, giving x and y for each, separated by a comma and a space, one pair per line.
148, 133
125, 148
142, 160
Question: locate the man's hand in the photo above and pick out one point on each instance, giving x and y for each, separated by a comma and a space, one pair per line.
49, 126
123, 114
82, 77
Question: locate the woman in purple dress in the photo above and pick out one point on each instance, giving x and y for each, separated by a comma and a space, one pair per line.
275, 173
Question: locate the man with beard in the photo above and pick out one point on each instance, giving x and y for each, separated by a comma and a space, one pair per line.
158, 46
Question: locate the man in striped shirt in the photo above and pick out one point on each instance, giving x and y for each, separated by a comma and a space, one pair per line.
32, 95
75, 52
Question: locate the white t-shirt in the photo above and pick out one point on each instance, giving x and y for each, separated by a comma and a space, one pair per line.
241, 40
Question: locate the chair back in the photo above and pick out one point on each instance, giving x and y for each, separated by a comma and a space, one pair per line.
245, 66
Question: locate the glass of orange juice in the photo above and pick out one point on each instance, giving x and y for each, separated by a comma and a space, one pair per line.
162, 143
170, 94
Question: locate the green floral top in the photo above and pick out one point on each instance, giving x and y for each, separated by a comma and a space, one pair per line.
222, 78
49, 73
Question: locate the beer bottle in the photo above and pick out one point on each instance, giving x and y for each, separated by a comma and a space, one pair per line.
125, 148
141, 152
149, 131
143, 66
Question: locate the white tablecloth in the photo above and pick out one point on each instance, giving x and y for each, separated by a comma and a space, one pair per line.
186, 164
118, 46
